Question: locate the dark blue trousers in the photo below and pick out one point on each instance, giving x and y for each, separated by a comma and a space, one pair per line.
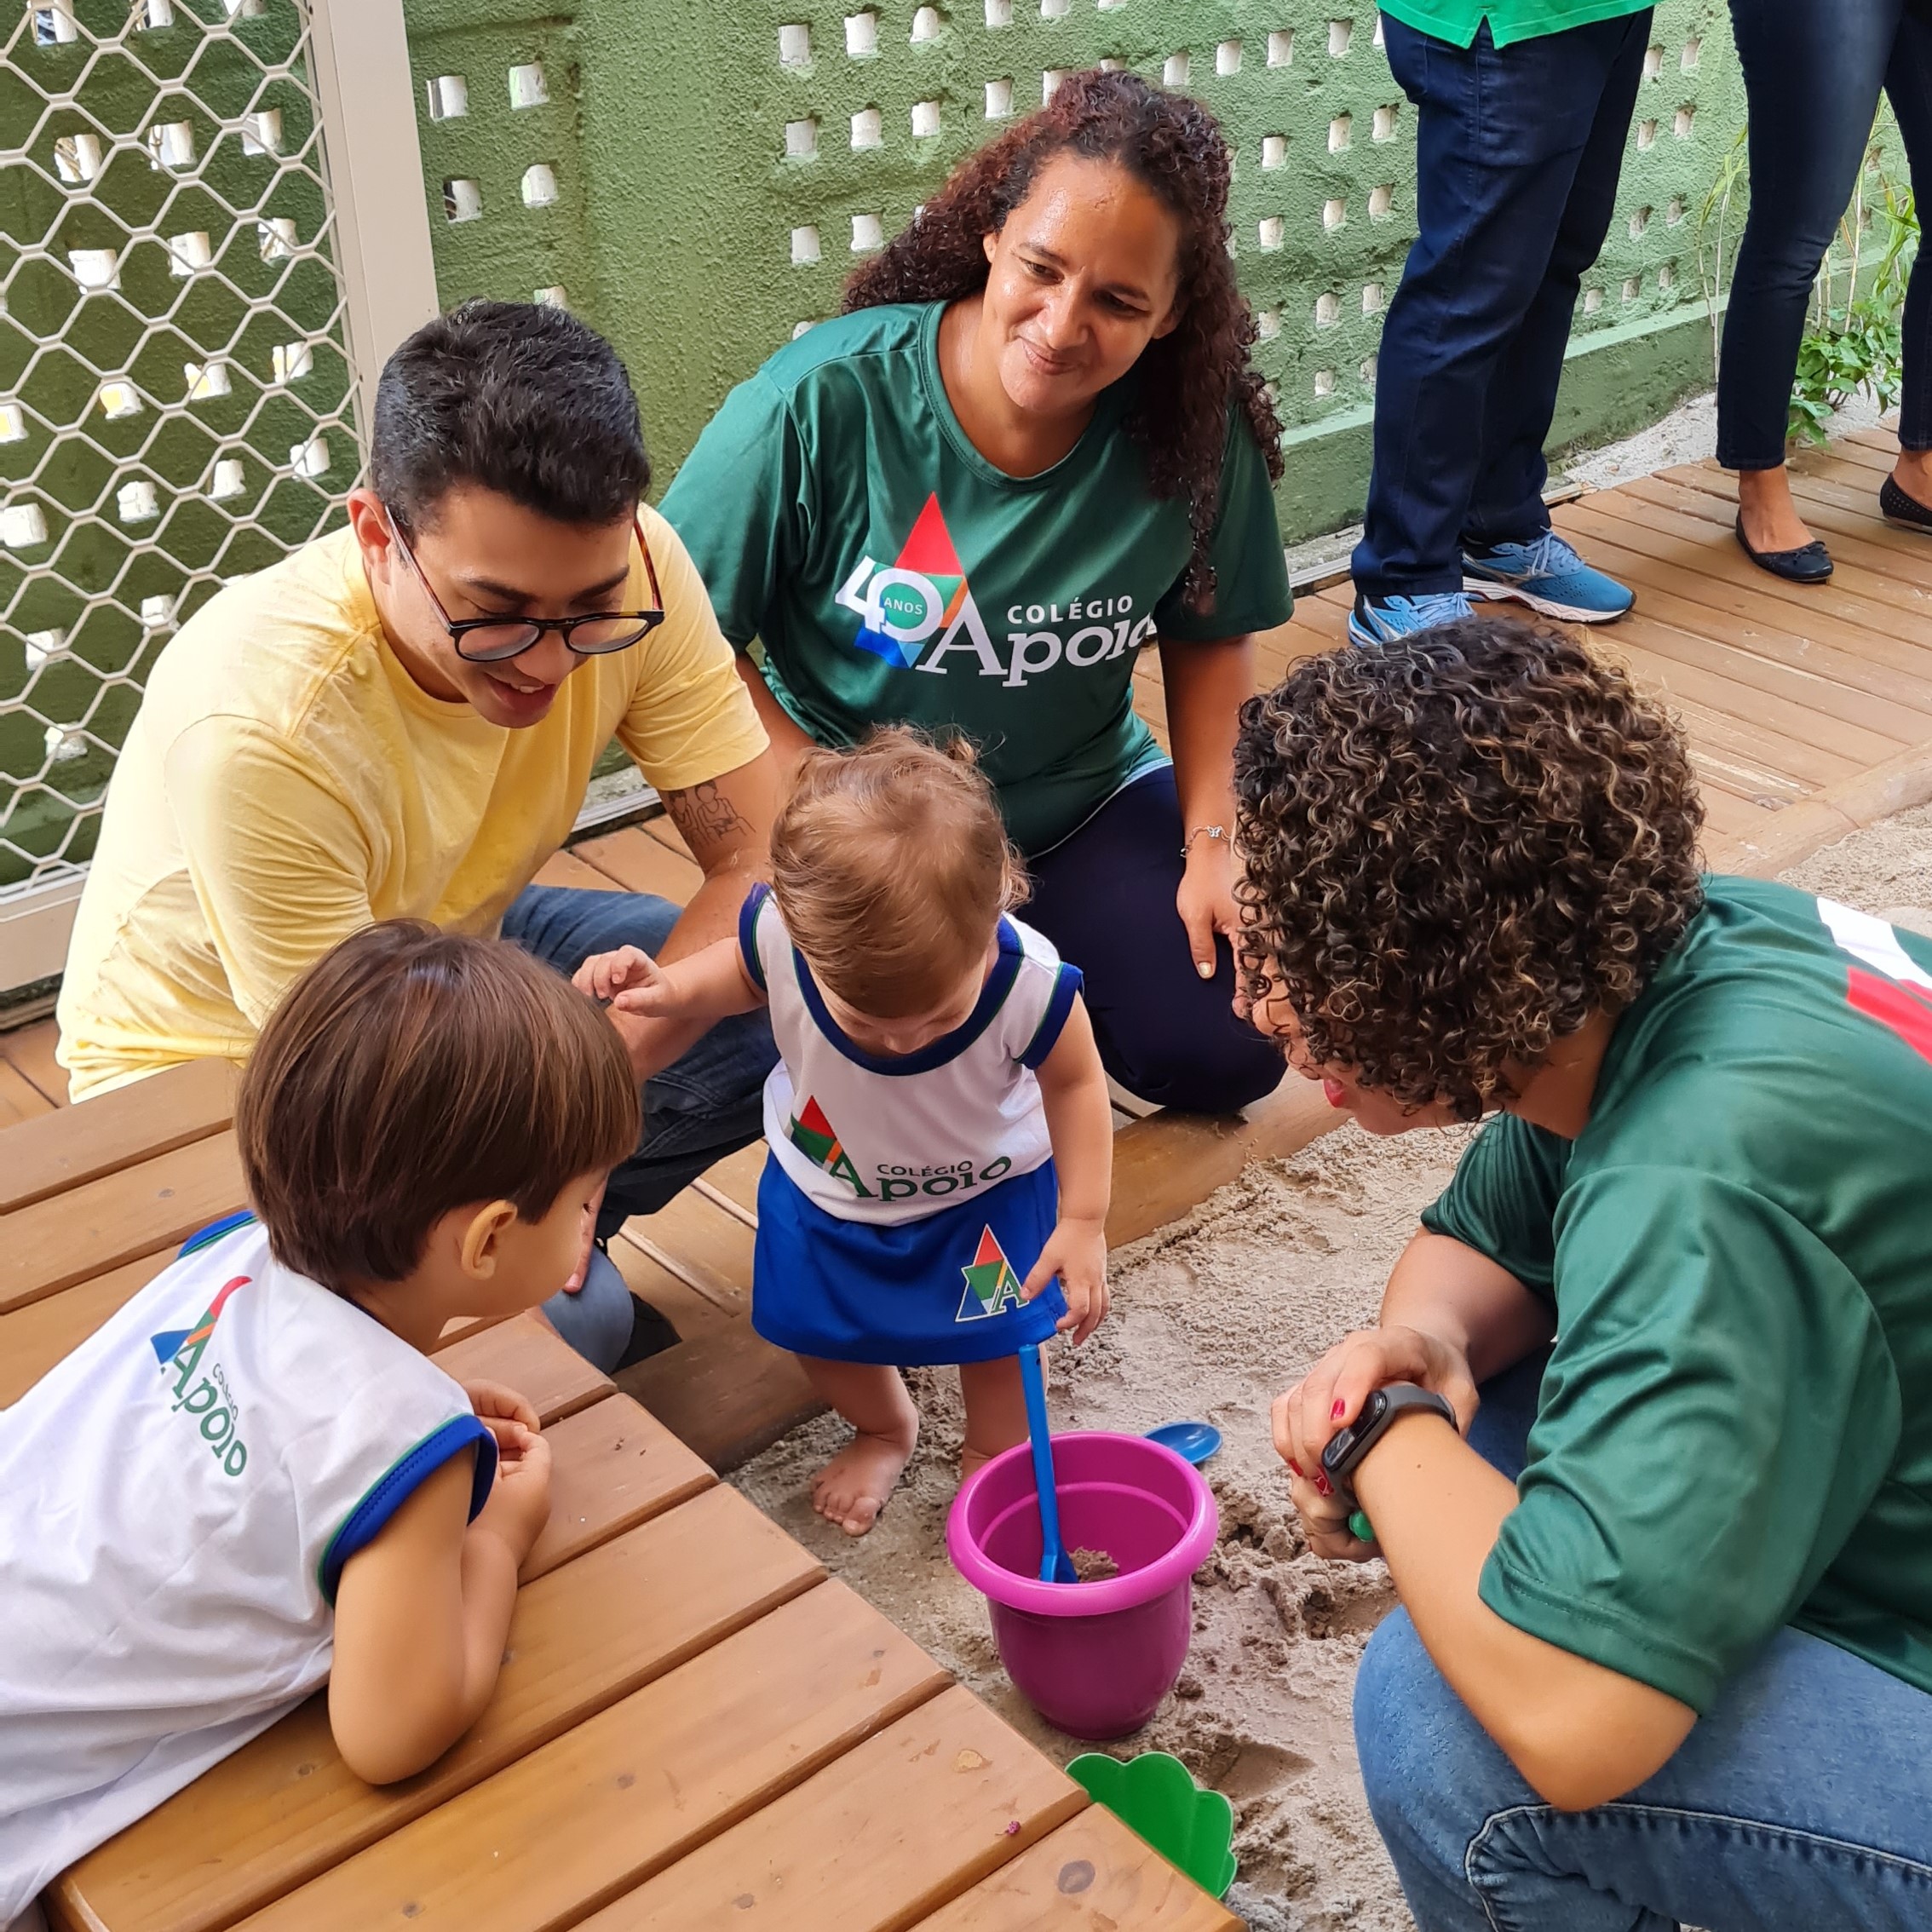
1105, 897
1518, 151
1813, 71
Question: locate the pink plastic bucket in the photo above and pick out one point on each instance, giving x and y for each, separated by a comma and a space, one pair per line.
1093, 1658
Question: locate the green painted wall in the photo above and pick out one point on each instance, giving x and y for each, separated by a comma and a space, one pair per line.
674, 228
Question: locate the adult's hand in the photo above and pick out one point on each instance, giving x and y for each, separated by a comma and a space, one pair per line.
1331, 1394
1206, 900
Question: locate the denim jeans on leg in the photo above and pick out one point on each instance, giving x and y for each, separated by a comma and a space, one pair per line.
1518, 150
704, 1106
1813, 73
1802, 1801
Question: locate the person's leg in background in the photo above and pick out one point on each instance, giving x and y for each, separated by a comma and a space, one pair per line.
1501, 135
1907, 498
1509, 547
1105, 897
1812, 78
1803, 1800
705, 1105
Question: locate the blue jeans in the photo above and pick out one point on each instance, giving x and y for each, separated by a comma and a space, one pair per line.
1801, 1803
1518, 150
1813, 74
704, 1106
1105, 897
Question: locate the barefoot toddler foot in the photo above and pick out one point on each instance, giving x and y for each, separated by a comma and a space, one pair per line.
852, 1488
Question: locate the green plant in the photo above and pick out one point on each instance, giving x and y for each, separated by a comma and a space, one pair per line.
1852, 339
1717, 251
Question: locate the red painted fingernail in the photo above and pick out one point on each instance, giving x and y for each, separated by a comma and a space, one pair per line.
1335, 1414
1294, 1465
1323, 1487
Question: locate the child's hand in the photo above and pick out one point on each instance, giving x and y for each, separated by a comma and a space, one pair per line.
629, 980
493, 1403
1076, 1251
520, 1502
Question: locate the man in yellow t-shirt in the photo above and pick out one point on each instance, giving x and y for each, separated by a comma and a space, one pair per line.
400, 719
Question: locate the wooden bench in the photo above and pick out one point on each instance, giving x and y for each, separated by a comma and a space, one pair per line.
693, 1725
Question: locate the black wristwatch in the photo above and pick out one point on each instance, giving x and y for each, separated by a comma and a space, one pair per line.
1347, 1446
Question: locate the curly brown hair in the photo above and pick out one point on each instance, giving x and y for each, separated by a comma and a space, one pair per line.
1457, 846
1187, 381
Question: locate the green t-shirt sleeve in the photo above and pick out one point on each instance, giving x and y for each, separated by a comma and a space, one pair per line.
1718, 1415
740, 502
1502, 1200
1250, 573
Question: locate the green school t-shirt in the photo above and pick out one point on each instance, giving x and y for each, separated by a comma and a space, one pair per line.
836, 511
1510, 21
1735, 1429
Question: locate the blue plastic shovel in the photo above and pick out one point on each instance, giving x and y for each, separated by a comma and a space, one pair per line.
1192, 1441
1056, 1565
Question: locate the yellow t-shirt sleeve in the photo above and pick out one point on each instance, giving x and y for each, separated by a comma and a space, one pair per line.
690, 718
279, 864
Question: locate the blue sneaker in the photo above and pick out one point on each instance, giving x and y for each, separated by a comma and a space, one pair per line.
1548, 576
1380, 620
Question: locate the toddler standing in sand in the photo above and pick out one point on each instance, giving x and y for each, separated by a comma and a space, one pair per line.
941, 1144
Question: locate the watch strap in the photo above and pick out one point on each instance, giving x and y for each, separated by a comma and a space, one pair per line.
1348, 1445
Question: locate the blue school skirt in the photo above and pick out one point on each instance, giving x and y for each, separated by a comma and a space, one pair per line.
944, 1288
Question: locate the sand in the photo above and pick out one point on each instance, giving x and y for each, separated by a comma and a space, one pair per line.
1213, 1317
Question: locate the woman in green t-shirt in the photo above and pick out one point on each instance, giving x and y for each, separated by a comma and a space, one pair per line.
1665, 1650
1033, 446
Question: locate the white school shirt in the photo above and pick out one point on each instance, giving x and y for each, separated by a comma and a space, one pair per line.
177, 1499
890, 1138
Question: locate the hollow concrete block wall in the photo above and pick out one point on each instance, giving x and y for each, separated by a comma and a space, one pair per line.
698, 176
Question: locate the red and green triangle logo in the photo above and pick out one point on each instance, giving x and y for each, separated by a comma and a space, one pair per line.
928, 548
991, 1286
812, 1134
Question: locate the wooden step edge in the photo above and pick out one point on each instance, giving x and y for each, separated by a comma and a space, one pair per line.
1898, 783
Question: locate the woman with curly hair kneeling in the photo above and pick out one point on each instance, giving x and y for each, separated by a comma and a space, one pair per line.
1665, 1647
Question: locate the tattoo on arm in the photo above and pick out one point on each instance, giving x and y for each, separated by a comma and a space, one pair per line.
705, 816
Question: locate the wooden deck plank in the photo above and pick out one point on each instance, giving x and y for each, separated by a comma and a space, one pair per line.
613, 1466
663, 829
74, 1144
1877, 448
1648, 504
639, 863
705, 1245
285, 1809
692, 1315
726, 1394
737, 1177
1787, 642
631, 1790
527, 1355
1828, 507
565, 868
1730, 816
1092, 1875
33, 1338
19, 1100
90, 1229
1851, 536
1702, 573
29, 1050
894, 1830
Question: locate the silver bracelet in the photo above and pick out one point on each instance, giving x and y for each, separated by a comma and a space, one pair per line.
1208, 832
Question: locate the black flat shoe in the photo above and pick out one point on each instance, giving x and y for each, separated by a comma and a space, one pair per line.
1896, 506
1810, 564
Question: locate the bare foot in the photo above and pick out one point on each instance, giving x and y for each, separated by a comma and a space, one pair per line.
852, 1488
1770, 518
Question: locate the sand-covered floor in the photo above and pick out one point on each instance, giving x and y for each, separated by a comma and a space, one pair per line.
1214, 1316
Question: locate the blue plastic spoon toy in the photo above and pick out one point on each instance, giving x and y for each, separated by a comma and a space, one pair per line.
1192, 1441
1056, 1565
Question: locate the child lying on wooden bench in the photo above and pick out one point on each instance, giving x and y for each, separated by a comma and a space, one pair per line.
254, 1478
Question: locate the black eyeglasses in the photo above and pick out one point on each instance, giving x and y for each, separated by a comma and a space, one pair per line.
489, 641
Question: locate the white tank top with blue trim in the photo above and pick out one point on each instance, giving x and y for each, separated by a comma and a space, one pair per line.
177, 1499
885, 1139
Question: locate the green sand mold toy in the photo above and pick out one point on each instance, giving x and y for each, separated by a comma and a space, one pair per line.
1155, 1796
